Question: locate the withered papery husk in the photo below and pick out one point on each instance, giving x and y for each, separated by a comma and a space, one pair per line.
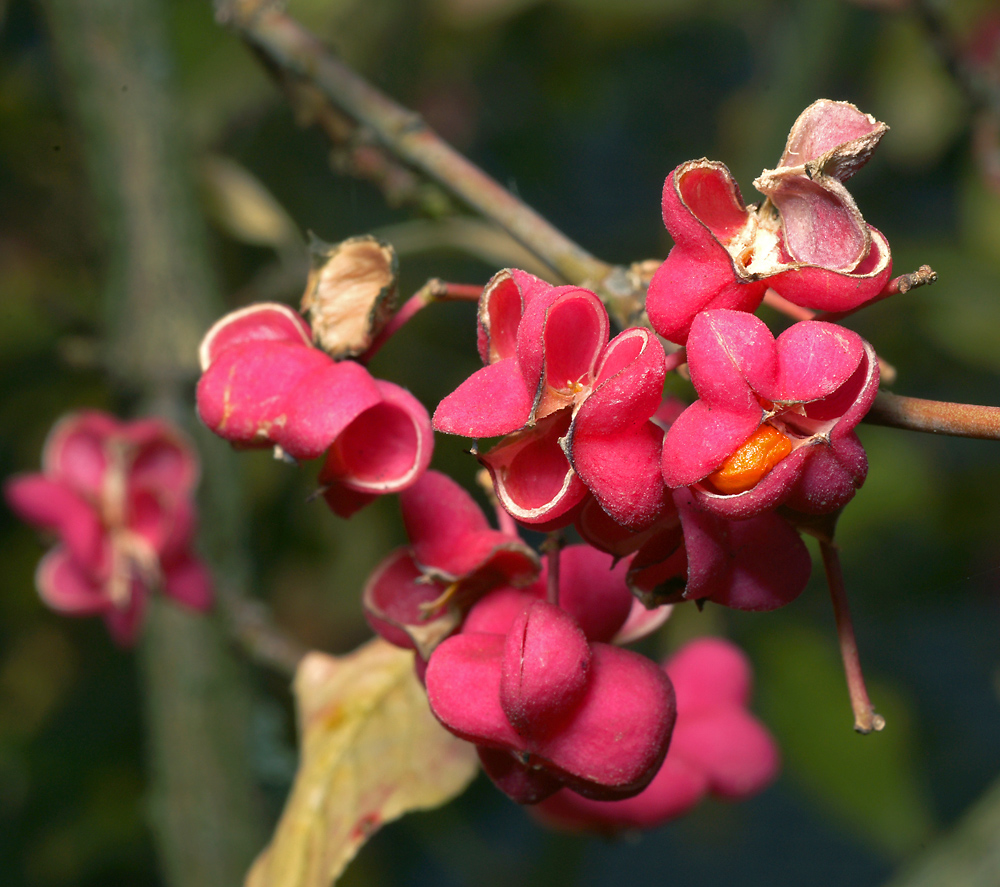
350, 293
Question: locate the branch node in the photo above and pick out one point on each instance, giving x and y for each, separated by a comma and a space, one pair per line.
923, 275
874, 723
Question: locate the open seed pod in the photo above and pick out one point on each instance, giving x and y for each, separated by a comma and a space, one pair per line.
350, 293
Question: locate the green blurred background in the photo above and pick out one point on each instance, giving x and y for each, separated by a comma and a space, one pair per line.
581, 107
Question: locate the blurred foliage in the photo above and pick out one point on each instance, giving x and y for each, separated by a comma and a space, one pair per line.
371, 750
582, 107
875, 788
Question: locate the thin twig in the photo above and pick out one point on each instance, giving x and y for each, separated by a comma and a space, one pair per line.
935, 416
290, 48
923, 276
355, 153
780, 304
866, 719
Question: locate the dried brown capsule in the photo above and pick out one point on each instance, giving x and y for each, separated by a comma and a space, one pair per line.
350, 293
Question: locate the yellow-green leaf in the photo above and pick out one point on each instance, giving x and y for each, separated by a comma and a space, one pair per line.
370, 751
873, 784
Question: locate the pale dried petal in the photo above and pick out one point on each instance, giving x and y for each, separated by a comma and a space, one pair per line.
832, 138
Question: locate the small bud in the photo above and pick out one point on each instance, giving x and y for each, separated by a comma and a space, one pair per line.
544, 669
350, 293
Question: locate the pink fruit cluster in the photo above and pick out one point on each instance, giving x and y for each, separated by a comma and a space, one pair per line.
539, 687
419, 594
524, 657
549, 707
774, 420
718, 748
529, 667
587, 438
807, 240
117, 496
520, 655
759, 563
575, 408
264, 384
680, 503
584, 440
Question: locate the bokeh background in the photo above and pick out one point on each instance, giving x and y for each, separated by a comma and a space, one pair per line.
581, 107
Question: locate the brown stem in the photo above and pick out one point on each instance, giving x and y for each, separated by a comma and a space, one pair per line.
923, 276
935, 416
290, 48
355, 153
866, 719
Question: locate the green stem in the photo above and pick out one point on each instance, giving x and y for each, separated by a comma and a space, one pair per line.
287, 46
159, 300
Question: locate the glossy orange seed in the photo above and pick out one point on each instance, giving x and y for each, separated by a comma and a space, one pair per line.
743, 469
